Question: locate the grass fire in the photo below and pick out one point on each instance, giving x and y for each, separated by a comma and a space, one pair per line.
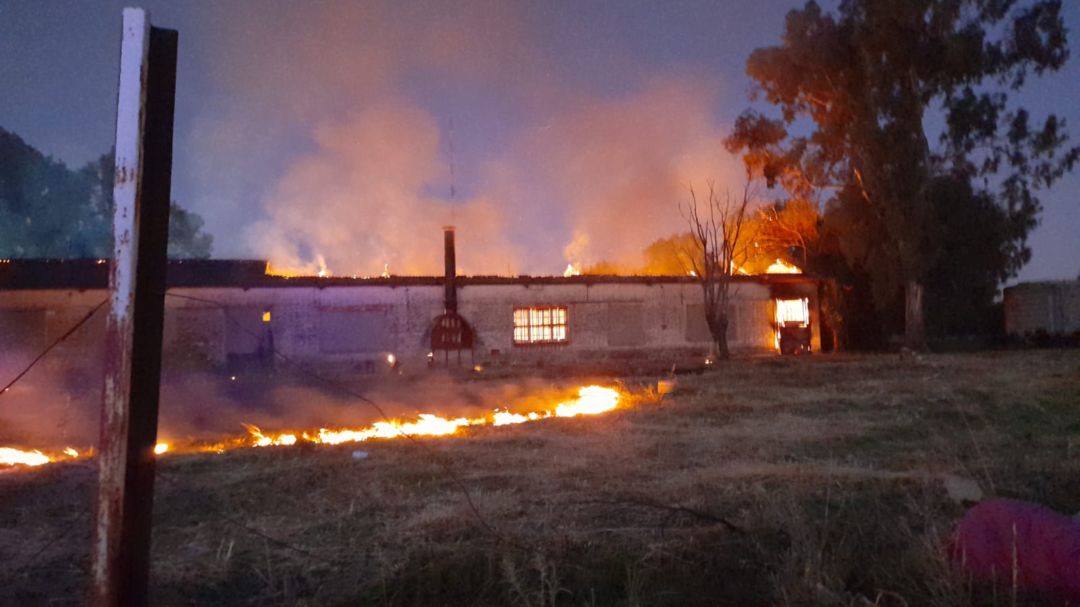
590, 400
768, 481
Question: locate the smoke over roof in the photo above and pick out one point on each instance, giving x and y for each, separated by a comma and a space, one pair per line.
388, 109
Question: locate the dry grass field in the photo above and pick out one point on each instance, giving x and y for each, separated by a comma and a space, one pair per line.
809, 481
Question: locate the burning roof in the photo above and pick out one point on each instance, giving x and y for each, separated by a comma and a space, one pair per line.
83, 274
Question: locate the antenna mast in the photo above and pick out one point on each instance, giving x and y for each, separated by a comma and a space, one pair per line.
453, 176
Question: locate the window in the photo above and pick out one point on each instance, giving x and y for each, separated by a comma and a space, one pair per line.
792, 312
792, 326
540, 325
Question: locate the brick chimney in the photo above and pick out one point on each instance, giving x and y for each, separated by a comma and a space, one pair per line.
450, 279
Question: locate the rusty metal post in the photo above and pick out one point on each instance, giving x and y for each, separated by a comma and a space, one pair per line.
129, 415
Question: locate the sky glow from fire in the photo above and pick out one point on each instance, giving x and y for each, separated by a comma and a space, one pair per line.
326, 128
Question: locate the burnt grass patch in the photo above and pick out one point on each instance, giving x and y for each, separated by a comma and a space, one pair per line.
808, 481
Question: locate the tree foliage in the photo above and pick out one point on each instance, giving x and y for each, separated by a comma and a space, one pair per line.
675, 255
786, 230
50, 211
868, 79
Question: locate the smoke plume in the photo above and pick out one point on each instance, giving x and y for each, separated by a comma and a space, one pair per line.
359, 133
59, 405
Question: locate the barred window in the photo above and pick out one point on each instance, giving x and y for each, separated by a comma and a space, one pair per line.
540, 325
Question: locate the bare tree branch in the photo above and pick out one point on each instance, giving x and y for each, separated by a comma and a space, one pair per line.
719, 233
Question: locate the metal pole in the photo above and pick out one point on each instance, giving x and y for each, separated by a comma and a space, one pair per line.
141, 193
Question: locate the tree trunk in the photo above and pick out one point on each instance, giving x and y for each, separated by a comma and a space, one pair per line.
835, 339
718, 328
914, 325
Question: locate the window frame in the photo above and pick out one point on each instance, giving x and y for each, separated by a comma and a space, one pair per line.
531, 326
787, 304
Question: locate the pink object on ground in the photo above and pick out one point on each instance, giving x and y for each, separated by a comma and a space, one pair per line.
999, 541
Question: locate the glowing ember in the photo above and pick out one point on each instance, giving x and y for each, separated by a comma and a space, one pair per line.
161, 448
15, 457
68, 451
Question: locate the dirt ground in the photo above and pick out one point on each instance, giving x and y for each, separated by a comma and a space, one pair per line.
811, 481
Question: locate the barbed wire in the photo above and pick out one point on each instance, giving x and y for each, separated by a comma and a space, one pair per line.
51, 346
68, 528
437, 457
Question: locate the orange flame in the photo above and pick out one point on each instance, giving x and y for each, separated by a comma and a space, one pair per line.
504, 418
15, 457
781, 267
591, 400
317, 269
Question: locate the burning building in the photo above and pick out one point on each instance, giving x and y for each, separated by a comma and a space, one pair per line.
230, 314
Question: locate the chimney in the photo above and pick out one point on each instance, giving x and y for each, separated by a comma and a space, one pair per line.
450, 281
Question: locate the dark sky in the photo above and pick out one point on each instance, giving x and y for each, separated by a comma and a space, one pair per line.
335, 131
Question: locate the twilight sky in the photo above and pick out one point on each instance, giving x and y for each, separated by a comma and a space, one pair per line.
568, 131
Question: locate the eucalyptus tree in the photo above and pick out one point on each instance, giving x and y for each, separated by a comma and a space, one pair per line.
858, 91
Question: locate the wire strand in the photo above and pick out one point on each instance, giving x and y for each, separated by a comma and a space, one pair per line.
55, 343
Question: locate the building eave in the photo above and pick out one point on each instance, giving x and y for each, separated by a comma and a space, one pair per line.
88, 274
